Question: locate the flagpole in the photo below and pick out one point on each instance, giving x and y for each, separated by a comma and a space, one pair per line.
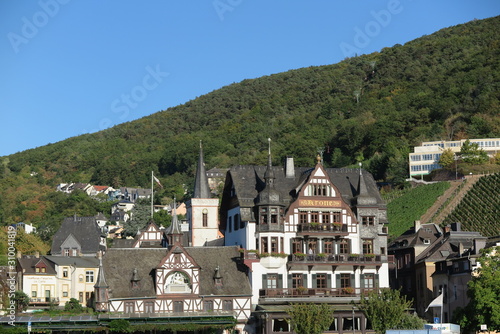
152, 194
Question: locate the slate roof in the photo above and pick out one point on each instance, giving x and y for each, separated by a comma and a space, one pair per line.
28, 263
79, 262
119, 264
84, 229
249, 181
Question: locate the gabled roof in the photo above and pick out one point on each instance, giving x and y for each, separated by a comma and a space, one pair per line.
75, 261
85, 230
248, 181
118, 265
29, 263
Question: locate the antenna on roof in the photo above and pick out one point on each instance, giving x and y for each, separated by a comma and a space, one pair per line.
269, 145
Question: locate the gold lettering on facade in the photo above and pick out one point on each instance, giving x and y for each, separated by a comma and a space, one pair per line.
321, 203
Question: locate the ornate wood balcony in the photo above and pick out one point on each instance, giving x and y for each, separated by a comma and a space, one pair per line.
313, 292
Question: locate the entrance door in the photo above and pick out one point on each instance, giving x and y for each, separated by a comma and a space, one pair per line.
47, 296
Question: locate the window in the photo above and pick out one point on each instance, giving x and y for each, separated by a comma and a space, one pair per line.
369, 281
297, 246
149, 307
345, 280
88, 296
314, 217
264, 245
178, 306
274, 244
89, 276
205, 218
43, 269
344, 246
74, 252
208, 305
129, 307
303, 218
297, 280
65, 272
325, 218
242, 222
367, 246
328, 246
80, 297
368, 220
263, 216
236, 224
65, 289
321, 281
272, 281
336, 217
37, 270
33, 294
227, 305
66, 252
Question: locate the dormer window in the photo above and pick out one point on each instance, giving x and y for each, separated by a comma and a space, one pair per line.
427, 241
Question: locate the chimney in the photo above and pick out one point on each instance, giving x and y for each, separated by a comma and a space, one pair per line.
289, 168
479, 243
37, 254
417, 225
19, 254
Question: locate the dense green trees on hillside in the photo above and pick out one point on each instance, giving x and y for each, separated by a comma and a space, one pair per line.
373, 108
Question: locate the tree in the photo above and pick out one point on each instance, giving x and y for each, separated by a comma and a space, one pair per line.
73, 306
309, 318
387, 309
22, 301
447, 159
139, 218
471, 153
484, 293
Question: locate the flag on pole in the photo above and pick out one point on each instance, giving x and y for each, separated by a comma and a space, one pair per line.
437, 302
157, 181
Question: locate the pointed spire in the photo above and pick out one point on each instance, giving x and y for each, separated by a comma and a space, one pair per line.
364, 198
269, 174
101, 280
175, 221
201, 189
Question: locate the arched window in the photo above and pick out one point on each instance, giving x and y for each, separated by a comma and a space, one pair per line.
178, 282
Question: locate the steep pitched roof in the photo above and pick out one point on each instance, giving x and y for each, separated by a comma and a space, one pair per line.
201, 188
119, 271
29, 263
85, 231
248, 181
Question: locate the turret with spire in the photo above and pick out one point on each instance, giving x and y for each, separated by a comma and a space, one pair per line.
201, 188
101, 289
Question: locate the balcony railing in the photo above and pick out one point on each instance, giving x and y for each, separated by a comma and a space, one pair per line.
44, 301
323, 228
314, 292
338, 258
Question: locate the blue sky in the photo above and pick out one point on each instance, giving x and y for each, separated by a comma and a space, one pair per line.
70, 67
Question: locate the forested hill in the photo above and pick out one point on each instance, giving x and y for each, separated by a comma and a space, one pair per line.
371, 108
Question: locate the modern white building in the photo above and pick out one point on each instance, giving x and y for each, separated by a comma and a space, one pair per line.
425, 157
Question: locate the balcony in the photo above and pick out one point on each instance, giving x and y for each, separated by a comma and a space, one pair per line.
337, 259
302, 292
317, 228
43, 301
